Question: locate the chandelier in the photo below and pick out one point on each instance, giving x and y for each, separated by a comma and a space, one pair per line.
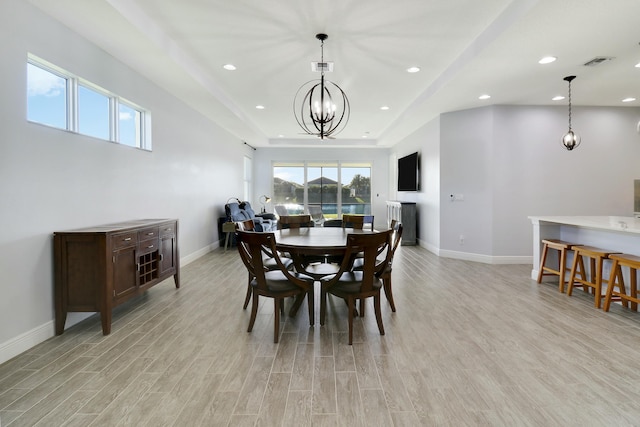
570, 140
317, 110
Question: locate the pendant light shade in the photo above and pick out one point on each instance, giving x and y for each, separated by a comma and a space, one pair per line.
570, 140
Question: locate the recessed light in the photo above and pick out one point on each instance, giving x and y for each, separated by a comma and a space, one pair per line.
413, 69
485, 96
281, 136
628, 99
365, 136
260, 107
557, 98
229, 67
384, 107
638, 65
547, 60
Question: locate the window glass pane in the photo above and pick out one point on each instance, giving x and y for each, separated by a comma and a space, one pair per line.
46, 97
129, 125
93, 113
356, 190
323, 185
288, 188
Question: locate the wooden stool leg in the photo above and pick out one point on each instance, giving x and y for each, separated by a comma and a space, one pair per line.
543, 259
598, 283
633, 288
622, 288
612, 282
577, 259
562, 267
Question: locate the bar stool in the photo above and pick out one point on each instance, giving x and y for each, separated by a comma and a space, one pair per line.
596, 257
616, 280
563, 248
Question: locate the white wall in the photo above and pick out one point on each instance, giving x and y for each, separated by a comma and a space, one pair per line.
55, 180
425, 140
534, 175
264, 157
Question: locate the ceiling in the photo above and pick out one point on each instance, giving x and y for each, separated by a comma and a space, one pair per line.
464, 48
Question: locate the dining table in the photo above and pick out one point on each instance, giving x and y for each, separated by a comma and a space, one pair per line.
311, 248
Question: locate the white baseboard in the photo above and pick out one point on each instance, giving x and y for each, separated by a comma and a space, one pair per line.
29, 339
24, 342
486, 259
197, 254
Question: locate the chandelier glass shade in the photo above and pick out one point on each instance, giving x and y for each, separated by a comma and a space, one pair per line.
570, 140
320, 106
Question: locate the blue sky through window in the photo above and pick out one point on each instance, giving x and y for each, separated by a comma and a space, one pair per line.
47, 94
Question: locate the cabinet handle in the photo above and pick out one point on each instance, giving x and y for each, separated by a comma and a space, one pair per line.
151, 233
161, 257
137, 266
126, 239
149, 247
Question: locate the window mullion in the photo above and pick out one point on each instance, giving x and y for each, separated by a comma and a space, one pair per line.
114, 122
72, 104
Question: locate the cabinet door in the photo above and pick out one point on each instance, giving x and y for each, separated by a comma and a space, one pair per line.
125, 272
168, 256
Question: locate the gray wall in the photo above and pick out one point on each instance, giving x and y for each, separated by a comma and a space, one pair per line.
508, 164
55, 180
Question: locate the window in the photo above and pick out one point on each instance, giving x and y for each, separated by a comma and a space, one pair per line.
59, 99
93, 113
129, 125
46, 97
337, 187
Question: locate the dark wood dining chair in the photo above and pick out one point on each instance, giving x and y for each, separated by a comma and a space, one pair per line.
385, 275
278, 283
268, 260
357, 222
295, 221
353, 285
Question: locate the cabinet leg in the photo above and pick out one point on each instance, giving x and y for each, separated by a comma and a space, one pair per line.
105, 316
61, 319
176, 279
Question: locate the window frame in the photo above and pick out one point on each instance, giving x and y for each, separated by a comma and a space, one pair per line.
74, 82
338, 164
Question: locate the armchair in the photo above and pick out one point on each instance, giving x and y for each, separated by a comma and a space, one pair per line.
264, 220
238, 212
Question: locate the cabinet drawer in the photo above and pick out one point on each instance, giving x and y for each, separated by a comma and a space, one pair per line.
123, 240
148, 245
148, 233
168, 229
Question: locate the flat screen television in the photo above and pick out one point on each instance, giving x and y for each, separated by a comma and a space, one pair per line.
409, 173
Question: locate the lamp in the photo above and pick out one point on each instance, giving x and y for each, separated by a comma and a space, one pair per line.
264, 199
317, 112
570, 140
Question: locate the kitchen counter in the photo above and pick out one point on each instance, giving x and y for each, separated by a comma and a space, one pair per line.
619, 233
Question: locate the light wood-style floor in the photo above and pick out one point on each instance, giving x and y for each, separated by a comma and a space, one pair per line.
471, 344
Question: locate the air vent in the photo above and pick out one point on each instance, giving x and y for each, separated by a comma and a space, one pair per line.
597, 61
319, 67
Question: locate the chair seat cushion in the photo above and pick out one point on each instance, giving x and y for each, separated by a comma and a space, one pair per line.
278, 282
358, 263
350, 282
271, 264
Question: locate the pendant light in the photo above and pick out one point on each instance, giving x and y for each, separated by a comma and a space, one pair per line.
318, 111
570, 140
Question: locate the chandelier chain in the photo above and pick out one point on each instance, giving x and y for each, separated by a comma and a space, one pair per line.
569, 104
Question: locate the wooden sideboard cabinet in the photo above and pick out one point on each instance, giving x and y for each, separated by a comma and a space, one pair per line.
98, 268
404, 212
